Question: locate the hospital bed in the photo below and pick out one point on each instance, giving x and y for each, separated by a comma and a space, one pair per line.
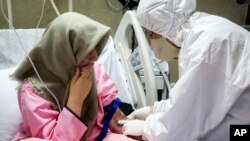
125, 68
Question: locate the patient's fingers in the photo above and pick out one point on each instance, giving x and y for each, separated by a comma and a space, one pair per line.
122, 122
76, 75
79, 89
88, 71
132, 127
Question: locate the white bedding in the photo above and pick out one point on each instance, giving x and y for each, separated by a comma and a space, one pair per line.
9, 110
10, 56
11, 49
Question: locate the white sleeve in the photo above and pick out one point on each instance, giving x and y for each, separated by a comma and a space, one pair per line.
196, 105
162, 106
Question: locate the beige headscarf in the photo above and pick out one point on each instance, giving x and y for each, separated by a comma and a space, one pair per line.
66, 41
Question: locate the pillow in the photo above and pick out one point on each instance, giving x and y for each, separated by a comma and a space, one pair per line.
10, 117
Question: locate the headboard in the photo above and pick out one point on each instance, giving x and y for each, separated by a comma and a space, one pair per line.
133, 62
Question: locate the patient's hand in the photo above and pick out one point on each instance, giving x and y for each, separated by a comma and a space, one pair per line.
117, 128
78, 93
113, 125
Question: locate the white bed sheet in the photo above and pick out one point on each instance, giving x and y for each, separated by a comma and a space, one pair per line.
11, 49
10, 56
10, 116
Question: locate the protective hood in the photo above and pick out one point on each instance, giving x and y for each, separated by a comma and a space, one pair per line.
213, 90
164, 17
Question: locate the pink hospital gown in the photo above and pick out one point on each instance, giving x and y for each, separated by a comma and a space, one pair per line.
41, 121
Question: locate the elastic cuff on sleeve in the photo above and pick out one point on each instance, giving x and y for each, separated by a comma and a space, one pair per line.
75, 115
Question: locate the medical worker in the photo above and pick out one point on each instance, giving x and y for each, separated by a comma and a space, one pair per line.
213, 90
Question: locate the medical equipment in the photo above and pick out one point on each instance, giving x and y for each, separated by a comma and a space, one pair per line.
122, 5
44, 1
54, 7
142, 68
162, 70
121, 40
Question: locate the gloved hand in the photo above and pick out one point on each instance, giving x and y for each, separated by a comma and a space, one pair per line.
141, 113
132, 127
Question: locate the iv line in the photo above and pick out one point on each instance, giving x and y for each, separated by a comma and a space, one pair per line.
39, 77
157, 63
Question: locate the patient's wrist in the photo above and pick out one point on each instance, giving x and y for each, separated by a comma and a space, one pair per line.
74, 108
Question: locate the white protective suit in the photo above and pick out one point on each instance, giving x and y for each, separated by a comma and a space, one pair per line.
213, 91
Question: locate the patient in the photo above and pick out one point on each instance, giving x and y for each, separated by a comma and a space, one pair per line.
78, 98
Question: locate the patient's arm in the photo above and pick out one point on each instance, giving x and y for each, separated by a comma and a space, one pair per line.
113, 125
117, 128
39, 119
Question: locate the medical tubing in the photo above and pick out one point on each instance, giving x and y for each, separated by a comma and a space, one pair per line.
70, 5
39, 77
44, 1
10, 14
164, 75
54, 7
3, 12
